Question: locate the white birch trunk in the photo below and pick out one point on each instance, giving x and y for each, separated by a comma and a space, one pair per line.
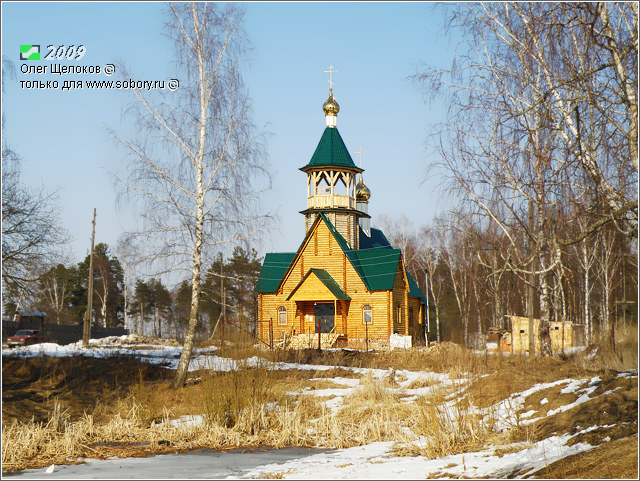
587, 292
185, 357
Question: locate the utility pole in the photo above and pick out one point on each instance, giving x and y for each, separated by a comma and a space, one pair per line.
86, 332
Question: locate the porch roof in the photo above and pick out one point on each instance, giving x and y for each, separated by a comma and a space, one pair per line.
325, 279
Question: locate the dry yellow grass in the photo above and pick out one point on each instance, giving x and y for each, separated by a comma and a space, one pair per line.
249, 406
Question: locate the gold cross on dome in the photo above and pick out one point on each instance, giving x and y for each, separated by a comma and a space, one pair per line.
330, 71
360, 152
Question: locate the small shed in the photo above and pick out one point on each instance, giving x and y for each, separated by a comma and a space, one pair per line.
30, 319
561, 334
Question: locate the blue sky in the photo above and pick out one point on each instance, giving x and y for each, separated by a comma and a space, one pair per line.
376, 47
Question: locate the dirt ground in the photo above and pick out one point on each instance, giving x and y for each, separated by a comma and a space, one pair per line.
31, 386
613, 460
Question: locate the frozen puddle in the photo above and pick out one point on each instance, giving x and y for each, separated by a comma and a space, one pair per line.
201, 464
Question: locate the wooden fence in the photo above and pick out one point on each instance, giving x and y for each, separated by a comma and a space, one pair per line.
63, 333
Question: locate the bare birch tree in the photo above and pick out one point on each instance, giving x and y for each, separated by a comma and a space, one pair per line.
32, 236
543, 115
55, 290
608, 263
429, 258
556, 82
400, 232
103, 286
456, 255
198, 165
586, 251
128, 260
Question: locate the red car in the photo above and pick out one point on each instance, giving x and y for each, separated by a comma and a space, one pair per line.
24, 337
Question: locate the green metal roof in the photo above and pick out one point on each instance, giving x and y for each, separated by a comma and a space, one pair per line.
274, 267
414, 290
331, 152
379, 242
327, 280
376, 266
375, 241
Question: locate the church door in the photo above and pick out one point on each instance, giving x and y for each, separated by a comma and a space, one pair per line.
324, 313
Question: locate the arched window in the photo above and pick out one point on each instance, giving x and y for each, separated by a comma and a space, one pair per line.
366, 314
282, 315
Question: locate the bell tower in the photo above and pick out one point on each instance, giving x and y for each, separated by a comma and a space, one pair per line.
331, 178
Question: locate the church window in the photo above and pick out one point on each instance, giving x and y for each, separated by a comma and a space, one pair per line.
282, 315
366, 314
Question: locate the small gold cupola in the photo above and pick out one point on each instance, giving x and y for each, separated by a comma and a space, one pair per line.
331, 109
362, 191
363, 194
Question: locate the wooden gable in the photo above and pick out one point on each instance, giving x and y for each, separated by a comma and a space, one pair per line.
321, 250
311, 289
318, 285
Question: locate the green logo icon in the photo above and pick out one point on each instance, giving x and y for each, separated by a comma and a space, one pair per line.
29, 52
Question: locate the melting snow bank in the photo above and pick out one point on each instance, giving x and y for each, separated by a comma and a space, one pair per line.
364, 462
374, 462
165, 356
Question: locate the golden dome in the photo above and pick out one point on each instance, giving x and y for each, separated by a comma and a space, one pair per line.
331, 107
362, 192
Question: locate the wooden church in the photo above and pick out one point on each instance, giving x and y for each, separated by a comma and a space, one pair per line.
345, 284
